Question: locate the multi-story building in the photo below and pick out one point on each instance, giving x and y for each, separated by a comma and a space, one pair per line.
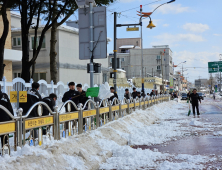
69, 67
10, 55
201, 83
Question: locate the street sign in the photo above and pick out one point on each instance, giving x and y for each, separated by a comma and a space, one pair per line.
100, 33
132, 29
214, 66
22, 96
13, 96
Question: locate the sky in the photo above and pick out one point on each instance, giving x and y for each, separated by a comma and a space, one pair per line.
191, 28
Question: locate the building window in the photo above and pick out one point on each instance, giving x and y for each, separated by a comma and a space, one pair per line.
39, 76
37, 43
17, 75
110, 60
158, 68
16, 41
158, 57
122, 59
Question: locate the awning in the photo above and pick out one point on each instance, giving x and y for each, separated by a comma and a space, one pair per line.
127, 46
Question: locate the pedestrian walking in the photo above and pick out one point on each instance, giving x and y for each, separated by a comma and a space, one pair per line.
72, 94
194, 98
214, 96
33, 97
82, 96
51, 102
134, 93
112, 90
127, 94
152, 93
4, 101
139, 95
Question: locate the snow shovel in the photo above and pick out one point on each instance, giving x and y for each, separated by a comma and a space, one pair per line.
189, 110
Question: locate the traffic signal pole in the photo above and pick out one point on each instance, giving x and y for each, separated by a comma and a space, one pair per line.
91, 44
115, 51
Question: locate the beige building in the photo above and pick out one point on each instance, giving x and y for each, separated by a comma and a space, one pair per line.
9, 54
149, 83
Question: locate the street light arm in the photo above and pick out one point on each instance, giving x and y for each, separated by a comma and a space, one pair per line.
163, 4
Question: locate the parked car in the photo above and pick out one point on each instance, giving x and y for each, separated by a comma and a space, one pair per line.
201, 96
204, 95
184, 96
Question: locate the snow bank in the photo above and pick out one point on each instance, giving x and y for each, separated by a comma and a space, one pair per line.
110, 143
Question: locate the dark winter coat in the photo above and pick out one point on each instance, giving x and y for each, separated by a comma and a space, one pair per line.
83, 98
71, 95
114, 96
33, 97
152, 94
4, 101
127, 96
194, 98
134, 94
50, 102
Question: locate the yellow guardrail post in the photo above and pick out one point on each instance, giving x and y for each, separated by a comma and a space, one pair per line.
80, 120
134, 102
128, 107
97, 115
120, 110
20, 110
110, 112
55, 129
24, 131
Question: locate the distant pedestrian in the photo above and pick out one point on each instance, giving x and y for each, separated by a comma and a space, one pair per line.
82, 97
127, 94
143, 94
194, 97
51, 102
214, 96
112, 90
152, 93
73, 95
134, 93
148, 94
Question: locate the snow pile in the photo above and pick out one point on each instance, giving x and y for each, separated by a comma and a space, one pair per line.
90, 150
196, 123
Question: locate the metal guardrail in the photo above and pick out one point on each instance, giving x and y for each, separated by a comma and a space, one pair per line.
72, 121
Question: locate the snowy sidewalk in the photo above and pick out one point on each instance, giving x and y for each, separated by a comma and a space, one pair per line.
109, 147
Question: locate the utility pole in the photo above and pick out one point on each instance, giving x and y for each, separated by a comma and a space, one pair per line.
91, 44
115, 51
141, 10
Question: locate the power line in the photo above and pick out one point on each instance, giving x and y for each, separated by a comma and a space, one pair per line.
143, 5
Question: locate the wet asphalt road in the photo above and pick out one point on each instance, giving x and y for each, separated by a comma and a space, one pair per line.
204, 142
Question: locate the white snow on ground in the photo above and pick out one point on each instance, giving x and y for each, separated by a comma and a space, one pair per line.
108, 147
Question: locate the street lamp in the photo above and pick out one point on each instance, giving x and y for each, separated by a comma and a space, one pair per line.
151, 25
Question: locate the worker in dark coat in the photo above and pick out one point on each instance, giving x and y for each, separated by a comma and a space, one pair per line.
82, 96
127, 94
112, 90
134, 93
73, 95
51, 102
4, 101
33, 97
194, 98
152, 93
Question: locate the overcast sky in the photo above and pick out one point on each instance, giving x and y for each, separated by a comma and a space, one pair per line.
192, 29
